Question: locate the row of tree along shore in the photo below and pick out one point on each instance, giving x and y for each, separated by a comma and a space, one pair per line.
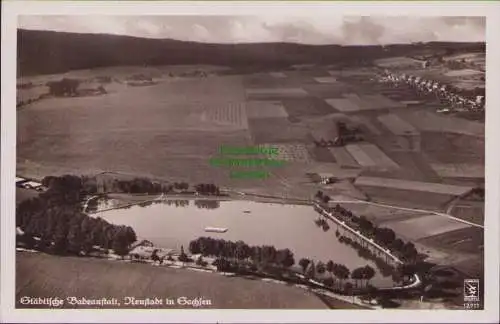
384, 237
241, 258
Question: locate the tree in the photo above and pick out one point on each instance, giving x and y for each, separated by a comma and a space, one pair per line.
285, 258
304, 263
409, 251
341, 271
357, 274
348, 288
120, 243
330, 267
368, 273
194, 247
320, 267
222, 264
328, 281
241, 250
397, 245
365, 225
311, 271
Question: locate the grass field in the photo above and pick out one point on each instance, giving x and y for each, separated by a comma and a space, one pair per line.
276, 93
343, 157
431, 122
458, 170
453, 148
471, 211
170, 131
466, 240
321, 154
424, 226
277, 130
231, 114
301, 107
407, 198
265, 109
41, 275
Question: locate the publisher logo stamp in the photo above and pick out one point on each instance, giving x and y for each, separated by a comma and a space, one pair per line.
471, 290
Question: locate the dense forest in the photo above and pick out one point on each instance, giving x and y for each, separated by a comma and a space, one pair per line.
45, 52
55, 223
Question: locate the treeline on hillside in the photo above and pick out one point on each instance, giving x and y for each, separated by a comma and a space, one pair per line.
54, 222
44, 52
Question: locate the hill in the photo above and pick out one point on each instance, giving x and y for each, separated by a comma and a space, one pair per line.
47, 52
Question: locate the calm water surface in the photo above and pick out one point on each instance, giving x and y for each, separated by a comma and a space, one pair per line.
280, 225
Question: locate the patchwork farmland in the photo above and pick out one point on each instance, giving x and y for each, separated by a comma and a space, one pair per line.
408, 171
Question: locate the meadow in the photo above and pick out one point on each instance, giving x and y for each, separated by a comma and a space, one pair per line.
45, 275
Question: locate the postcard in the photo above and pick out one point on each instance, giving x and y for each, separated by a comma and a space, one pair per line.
258, 162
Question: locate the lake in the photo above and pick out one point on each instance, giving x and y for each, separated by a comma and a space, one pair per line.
171, 224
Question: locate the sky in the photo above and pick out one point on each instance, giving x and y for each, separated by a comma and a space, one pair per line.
360, 30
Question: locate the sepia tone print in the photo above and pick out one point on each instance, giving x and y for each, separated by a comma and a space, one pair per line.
238, 162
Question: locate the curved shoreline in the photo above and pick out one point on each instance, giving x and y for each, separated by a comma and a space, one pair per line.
271, 199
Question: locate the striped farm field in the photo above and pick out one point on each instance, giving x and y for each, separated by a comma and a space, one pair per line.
353, 102
265, 109
365, 122
406, 198
343, 157
277, 130
397, 125
343, 105
233, 113
369, 155
458, 170
378, 101
276, 93
325, 80
464, 72
431, 122
300, 107
321, 154
279, 75
359, 154
292, 152
435, 188
417, 228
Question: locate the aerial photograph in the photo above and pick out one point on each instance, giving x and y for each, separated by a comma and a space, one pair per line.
246, 162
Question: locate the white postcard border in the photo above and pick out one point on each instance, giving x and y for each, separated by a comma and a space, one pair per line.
11, 9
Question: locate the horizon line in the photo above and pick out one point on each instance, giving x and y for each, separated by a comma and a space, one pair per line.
245, 43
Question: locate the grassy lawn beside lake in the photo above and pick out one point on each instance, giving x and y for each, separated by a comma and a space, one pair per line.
42, 275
